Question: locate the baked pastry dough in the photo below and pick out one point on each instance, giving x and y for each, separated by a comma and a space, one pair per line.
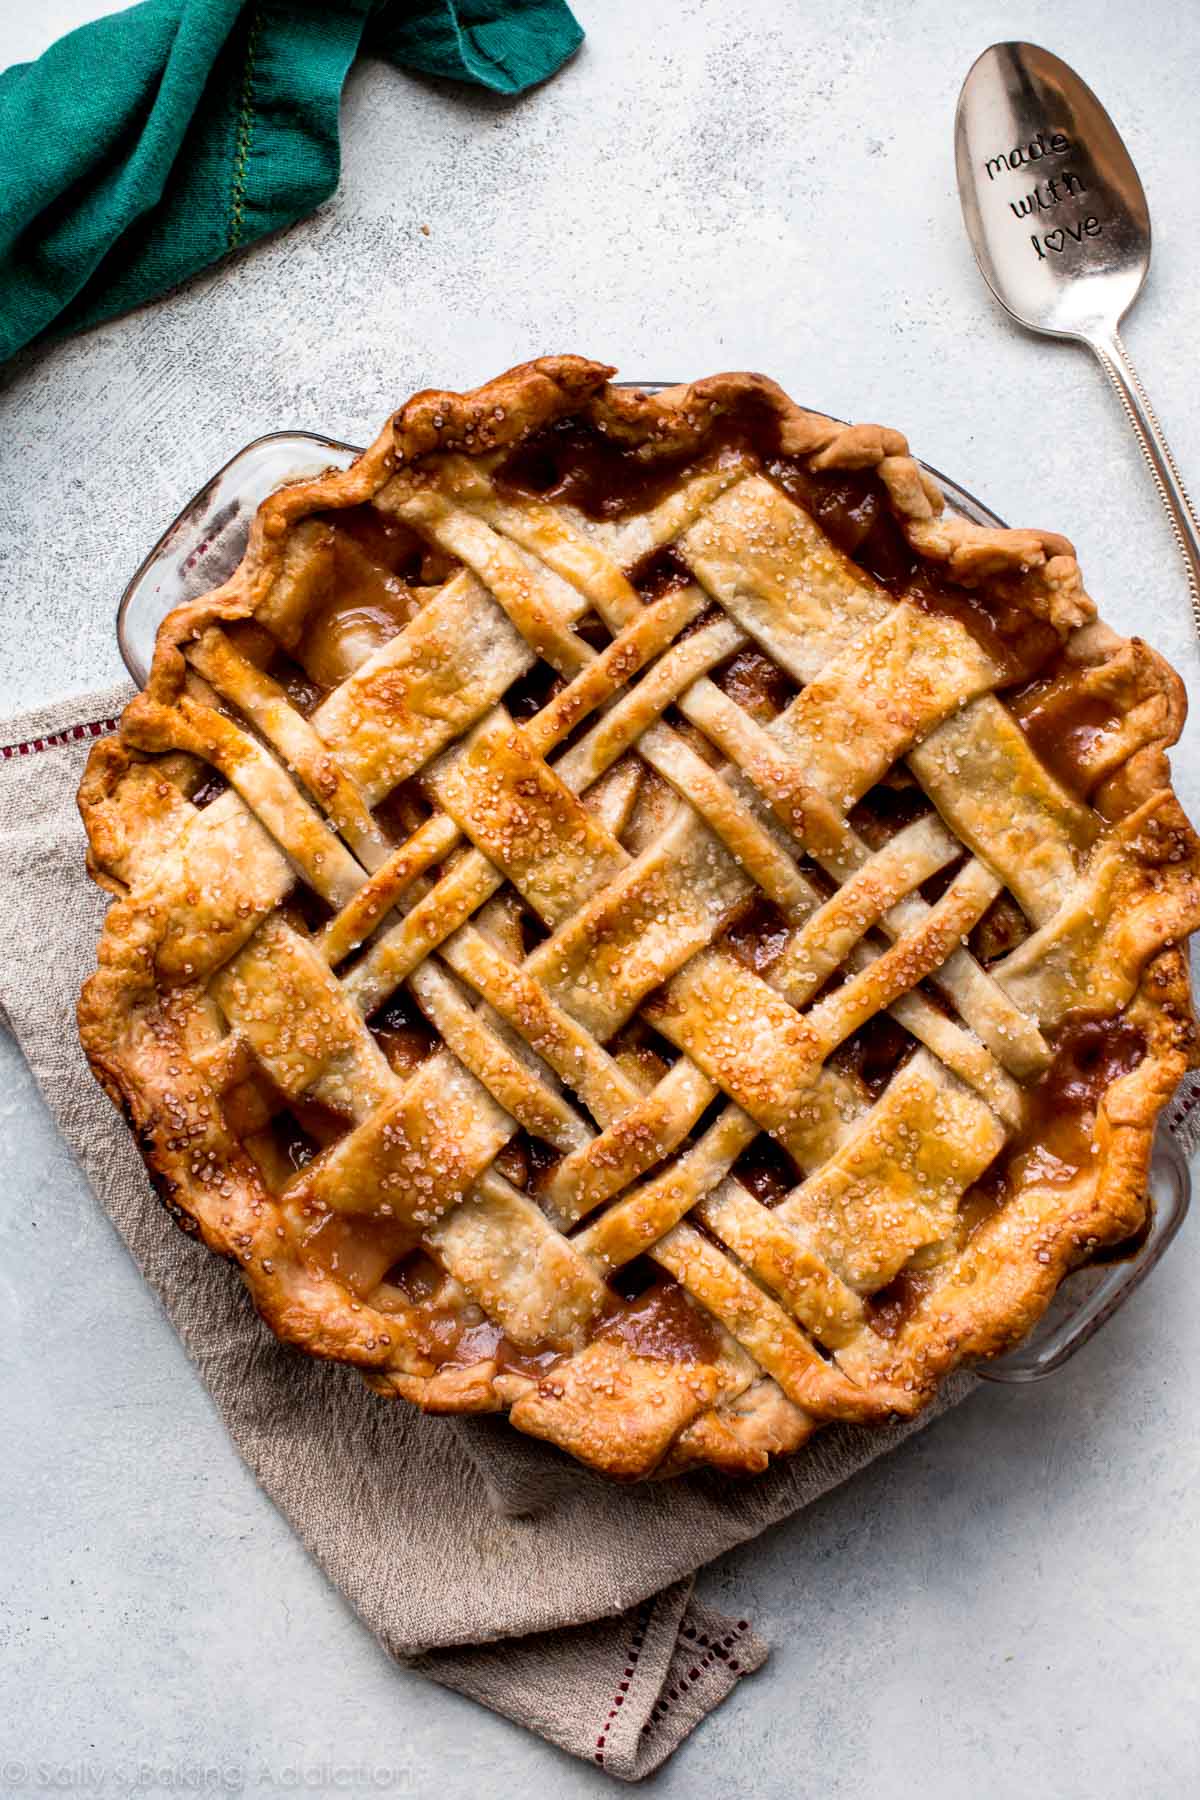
629, 913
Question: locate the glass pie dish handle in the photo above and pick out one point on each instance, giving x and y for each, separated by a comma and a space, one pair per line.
203, 546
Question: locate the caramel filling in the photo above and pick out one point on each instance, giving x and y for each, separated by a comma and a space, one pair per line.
876, 1050
1066, 725
389, 544
758, 935
658, 573
573, 464
1089, 1055
767, 1171
1057, 1139
366, 610
662, 1324
402, 1034
888, 1311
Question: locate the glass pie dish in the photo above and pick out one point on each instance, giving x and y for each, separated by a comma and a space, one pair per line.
202, 546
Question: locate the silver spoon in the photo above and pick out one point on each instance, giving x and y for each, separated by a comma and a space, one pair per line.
1061, 231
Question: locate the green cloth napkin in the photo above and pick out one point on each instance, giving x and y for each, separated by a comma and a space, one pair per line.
142, 147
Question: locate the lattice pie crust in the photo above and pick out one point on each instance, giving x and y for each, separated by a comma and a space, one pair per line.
629, 913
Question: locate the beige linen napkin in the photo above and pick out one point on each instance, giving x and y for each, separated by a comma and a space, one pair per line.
486, 1560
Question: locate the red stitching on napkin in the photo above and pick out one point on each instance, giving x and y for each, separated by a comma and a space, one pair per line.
634, 1651
713, 1652
1188, 1106
54, 740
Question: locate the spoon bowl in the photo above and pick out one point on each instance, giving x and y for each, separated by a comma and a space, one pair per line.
1054, 207
1059, 224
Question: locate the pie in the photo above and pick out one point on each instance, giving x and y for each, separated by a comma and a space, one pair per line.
630, 913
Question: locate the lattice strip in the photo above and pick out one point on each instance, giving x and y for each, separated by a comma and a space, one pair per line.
430, 843
825, 940
321, 859
758, 1323
636, 711
216, 883
909, 960
632, 936
441, 910
552, 1033
1011, 1036
414, 1157
895, 1184
528, 824
281, 996
983, 777
753, 848
638, 1137
885, 691
961, 1052
422, 690
541, 530
1085, 959
267, 706
529, 593
519, 1268
627, 541
512, 1080
776, 777
831, 1108
771, 1251
773, 570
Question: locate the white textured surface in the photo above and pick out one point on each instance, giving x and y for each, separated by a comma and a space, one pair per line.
1008, 1606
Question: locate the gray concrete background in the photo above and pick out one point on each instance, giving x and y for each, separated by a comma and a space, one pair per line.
1008, 1605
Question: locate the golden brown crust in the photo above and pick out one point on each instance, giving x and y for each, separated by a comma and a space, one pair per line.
147, 1019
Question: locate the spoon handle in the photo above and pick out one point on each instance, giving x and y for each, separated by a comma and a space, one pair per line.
1114, 360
